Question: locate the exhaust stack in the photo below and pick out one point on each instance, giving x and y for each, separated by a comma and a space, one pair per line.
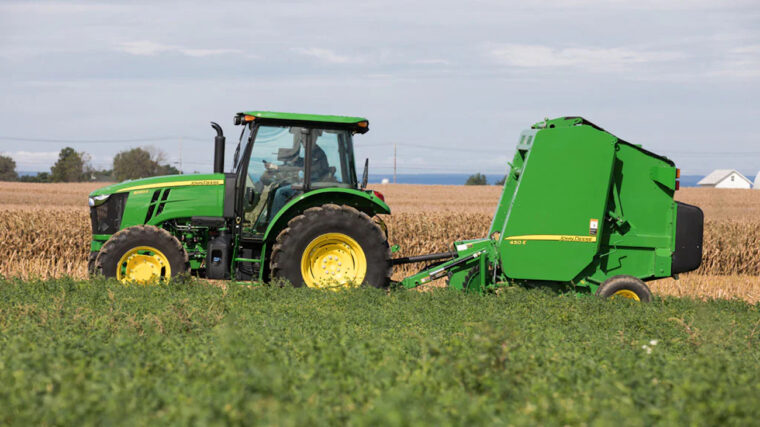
218, 148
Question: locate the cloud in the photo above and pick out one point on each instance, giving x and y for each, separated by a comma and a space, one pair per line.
741, 62
33, 159
149, 48
144, 48
326, 55
589, 58
199, 53
431, 61
649, 5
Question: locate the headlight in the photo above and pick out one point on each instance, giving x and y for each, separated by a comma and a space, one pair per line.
98, 200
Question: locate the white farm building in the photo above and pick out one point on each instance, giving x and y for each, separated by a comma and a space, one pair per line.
756, 185
725, 178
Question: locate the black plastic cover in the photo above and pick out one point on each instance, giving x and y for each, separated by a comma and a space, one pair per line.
229, 195
219, 256
106, 218
208, 221
689, 228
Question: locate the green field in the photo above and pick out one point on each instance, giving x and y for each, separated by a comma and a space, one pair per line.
74, 352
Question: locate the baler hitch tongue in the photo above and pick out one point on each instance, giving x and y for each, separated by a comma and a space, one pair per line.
440, 270
423, 258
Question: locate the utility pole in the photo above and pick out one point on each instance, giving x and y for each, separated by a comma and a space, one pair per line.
180, 155
394, 163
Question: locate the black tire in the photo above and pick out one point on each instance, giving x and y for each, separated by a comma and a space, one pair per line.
91, 263
470, 279
285, 262
623, 283
111, 252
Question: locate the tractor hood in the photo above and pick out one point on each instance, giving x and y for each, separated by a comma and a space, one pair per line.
161, 182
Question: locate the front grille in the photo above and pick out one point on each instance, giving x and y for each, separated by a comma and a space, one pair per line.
106, 218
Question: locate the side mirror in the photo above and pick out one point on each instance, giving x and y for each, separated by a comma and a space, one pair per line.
365, 175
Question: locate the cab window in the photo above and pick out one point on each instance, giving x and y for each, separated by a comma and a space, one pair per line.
331, 157
275, 171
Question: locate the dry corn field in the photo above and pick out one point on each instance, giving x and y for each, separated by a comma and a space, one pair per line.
45, 231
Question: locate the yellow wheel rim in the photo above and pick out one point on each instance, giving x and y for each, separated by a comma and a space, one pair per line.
625, 293
333, 260
143, 264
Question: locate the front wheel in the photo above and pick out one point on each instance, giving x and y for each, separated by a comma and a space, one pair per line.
625, 287
332, 246
142, 254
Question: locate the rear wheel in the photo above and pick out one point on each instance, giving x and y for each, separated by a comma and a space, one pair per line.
625, 287
332, 246
142, 254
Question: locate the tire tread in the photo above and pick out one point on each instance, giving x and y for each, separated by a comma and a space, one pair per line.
297, 227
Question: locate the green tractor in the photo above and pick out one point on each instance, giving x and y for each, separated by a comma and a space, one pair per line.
292, 208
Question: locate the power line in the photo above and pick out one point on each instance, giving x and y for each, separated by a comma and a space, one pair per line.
461, 150
174, 138
394, 163
91, 141
359, 146
100, 141
427, 147
714, 154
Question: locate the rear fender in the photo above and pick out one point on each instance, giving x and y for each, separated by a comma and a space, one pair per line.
362, 201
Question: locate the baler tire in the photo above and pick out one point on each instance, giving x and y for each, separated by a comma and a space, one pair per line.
111, 253
625, 286
303, 230
472, 273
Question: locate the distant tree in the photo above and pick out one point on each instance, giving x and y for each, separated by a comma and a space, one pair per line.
141, 163
105, 175
131, 164
72, 166
169, 170
40, 177
500, 181
7, 169
477, 179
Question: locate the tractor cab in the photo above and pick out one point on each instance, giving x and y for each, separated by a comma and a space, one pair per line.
285, 155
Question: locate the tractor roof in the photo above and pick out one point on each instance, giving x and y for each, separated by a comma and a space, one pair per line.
357, 124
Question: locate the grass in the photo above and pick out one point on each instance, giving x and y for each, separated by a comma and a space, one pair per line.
79, 352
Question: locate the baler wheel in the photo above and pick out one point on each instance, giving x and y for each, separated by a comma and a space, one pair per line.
469, 283
142, 254
332, 246
625, 287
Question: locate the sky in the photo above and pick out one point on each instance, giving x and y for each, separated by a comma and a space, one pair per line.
450, 83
